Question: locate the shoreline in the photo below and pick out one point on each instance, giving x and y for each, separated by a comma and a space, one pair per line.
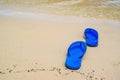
54, 17
34, 10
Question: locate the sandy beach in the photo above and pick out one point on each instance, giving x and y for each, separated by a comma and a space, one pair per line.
34, 46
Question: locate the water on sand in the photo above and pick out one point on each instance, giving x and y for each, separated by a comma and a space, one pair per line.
108, 9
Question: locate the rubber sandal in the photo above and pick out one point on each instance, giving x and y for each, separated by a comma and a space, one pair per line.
74, 55
91, 36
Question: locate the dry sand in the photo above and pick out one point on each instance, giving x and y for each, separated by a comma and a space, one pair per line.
34, 47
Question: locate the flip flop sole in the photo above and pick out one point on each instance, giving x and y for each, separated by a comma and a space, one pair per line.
91, 36
74, 55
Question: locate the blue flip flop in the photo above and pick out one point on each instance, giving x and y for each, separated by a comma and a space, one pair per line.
91, 36
74, 56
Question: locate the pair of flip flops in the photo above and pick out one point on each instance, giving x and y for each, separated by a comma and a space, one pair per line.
77, 49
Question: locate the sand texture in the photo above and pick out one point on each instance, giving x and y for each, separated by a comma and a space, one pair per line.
34, 47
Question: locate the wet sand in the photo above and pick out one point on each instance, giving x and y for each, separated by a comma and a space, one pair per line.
100, 9
34, 46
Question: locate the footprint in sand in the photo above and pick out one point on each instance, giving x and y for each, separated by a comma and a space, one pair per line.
2, 72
